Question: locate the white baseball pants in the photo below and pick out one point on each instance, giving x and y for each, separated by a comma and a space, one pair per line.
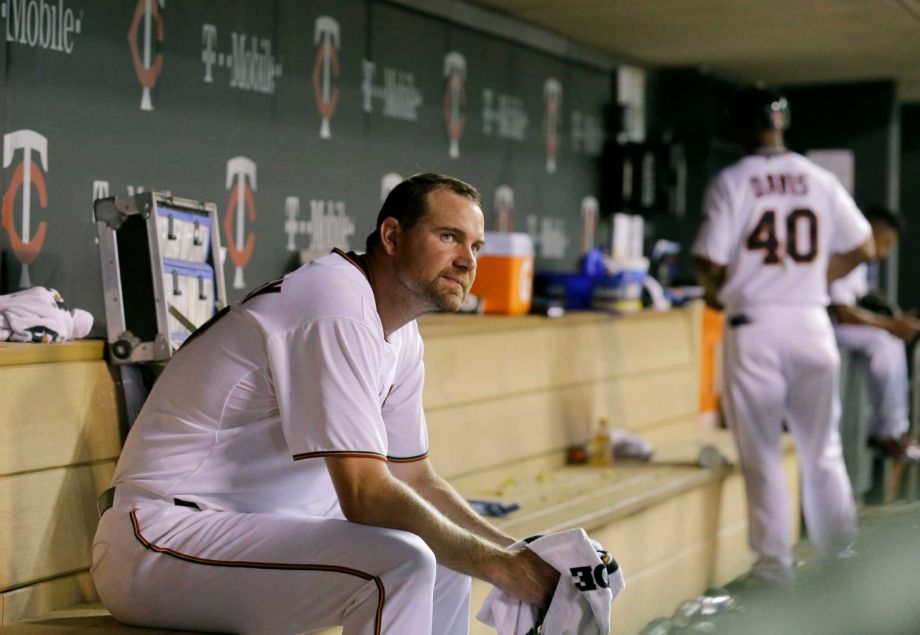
160, 565
783, 366
886, 378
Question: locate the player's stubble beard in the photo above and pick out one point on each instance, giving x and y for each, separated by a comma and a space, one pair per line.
443, 295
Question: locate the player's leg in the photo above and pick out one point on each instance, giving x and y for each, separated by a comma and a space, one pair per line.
813, 414
886, 378
451, 603
755, 392
172, 567
887, 382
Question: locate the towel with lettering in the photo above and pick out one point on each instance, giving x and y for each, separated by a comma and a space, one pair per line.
589, 582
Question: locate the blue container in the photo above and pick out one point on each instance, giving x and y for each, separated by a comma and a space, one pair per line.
573, 290
579, 291
621, 292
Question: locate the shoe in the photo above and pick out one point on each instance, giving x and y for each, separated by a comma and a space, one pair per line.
772, 572
911, 453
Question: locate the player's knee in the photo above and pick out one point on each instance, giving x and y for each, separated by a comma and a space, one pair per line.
882, 363
415, 556
421, 558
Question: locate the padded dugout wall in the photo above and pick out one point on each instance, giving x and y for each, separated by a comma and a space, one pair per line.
235, 96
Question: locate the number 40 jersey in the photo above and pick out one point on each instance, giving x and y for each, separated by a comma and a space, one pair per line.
773, 220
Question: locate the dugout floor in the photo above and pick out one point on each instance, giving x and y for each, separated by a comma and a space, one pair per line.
876, 592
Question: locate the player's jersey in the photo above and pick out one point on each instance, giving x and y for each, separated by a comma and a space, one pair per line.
773, 221
848, 290
243, 415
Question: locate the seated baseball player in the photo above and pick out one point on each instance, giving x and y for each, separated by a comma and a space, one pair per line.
870, 327
278, 480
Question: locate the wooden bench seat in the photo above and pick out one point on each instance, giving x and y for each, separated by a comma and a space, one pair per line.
82, 619
674, 527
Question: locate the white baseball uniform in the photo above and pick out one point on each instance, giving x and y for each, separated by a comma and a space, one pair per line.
886, 376
773, 220
225, 516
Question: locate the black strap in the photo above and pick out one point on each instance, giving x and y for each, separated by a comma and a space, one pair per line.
738, 320
182, 503
107, 499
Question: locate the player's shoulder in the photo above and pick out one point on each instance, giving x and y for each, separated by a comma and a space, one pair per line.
737, 173
815, 171
741, 171
331, 287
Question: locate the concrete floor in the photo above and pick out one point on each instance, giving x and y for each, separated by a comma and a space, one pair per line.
876, 592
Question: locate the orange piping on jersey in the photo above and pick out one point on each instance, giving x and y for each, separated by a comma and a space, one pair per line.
408, 459
273, 286
348, 257
286, 566
342, 453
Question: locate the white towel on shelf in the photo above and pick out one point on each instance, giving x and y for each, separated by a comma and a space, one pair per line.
589, 582
40, 315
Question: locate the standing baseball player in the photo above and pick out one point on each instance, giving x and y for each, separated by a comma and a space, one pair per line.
878, 332
277, 480
776, 228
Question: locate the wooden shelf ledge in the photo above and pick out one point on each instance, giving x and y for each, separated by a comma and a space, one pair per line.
16, 353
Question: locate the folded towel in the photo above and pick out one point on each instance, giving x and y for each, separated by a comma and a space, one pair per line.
40, 315
589, 582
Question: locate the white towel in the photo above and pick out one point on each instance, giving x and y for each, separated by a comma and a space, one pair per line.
40, 315
589, 582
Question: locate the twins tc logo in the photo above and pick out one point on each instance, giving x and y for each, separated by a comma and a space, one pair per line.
504, 208
241, 182
454, 99
326, 68
147, 69
552, 100
27, 173
589, 211
387, 183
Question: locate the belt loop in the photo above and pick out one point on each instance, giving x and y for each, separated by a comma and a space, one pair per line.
105, 501
739, 319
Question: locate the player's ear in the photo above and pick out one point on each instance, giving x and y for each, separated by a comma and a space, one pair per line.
389, 235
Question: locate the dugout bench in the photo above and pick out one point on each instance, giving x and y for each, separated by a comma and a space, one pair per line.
504, 397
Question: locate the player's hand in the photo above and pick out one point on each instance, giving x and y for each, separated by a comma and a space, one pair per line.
912, 318
527, 577
905, 326
712, 301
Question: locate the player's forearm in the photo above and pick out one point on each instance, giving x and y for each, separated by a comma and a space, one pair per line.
860, 316
897, 326
370, 493
841, 264
448, 501
711, 277
395, 505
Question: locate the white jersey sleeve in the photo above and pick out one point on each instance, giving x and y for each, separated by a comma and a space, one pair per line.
851, 229
848, 290
325, 376
403, 414
716, 240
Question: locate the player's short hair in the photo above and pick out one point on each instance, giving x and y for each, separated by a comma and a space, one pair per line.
881, 214
759, 108
407, 201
